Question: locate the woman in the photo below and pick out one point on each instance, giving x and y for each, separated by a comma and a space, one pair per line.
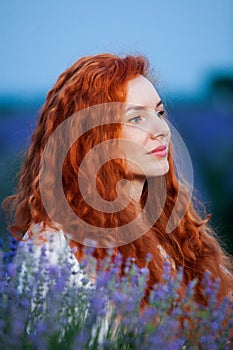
116, 106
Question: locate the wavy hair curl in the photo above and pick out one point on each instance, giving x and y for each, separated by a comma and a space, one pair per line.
97, 80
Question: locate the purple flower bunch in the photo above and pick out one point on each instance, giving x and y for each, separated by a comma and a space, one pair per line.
45, 305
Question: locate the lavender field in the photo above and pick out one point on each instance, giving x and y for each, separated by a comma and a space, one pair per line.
55, 306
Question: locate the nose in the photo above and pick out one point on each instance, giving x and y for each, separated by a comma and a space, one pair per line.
158, 135
158, 128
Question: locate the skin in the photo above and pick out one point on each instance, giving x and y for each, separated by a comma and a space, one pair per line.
146, 129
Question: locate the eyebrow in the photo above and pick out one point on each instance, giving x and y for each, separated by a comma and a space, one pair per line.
140, 108
159, 103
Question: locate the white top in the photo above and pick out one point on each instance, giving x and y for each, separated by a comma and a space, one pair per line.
57, 244
57, 250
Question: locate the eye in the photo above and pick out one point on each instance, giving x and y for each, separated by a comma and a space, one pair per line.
160, 114
135, 120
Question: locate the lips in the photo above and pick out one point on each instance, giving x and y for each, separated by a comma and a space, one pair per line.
160, 151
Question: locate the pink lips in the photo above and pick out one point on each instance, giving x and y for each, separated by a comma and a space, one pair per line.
160, 151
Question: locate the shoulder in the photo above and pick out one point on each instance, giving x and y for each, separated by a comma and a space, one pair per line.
36, 254
53, 241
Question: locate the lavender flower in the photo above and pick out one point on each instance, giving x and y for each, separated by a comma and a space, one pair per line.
47, 305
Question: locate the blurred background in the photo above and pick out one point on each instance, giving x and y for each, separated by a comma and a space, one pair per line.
190, 46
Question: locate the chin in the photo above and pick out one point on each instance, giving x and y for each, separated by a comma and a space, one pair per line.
166, 169
159, 171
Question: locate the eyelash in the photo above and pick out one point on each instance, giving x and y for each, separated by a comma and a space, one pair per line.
137, 117
160, 114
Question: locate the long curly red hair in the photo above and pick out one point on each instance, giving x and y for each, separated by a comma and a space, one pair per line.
91, 81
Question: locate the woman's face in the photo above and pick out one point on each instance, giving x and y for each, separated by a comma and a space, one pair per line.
145, 126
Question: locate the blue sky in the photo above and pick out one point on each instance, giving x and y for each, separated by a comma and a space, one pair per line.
184, 40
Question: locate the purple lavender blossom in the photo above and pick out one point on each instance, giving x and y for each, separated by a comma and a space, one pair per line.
41, 307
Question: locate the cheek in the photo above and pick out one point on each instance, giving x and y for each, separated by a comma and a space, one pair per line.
168, 138
134, 134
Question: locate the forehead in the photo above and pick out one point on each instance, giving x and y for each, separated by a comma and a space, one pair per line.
140, 91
